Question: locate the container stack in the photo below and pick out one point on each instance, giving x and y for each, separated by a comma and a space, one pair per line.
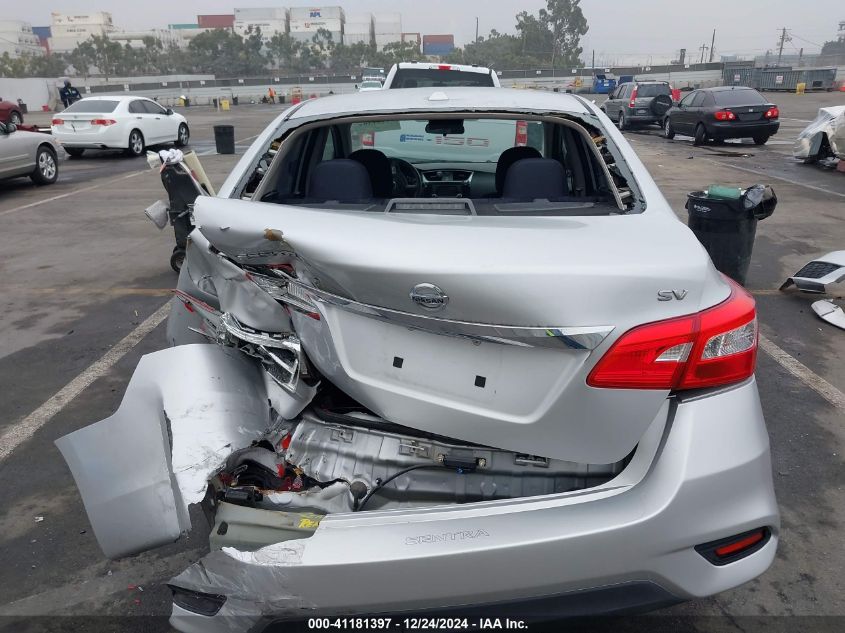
388, 29
438, 45
270, 20
305, 22
358, 29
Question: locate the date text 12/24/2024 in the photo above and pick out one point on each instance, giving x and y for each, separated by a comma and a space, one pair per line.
416, 624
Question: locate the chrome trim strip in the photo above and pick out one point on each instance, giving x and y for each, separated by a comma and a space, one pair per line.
556, 337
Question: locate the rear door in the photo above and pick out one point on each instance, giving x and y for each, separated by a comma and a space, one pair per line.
142, 120
682, 116
15, 153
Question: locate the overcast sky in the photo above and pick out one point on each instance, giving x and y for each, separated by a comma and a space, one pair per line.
619, 29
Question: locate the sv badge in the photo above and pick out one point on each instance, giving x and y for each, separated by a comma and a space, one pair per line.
668, 295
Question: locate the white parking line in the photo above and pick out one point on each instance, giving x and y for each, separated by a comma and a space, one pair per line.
18, 433
803, 373
767, 174
783, 118
69, 193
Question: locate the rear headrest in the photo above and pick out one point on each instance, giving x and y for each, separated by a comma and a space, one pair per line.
340, 179
508, 158
533, 178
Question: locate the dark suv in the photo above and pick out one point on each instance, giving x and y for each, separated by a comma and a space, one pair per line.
638, 102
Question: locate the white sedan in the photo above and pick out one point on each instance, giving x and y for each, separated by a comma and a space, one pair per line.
118, 122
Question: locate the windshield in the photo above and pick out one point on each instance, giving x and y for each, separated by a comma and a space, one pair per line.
653, 90
436, 78
371, 84
475, 141
99, 106
748, 96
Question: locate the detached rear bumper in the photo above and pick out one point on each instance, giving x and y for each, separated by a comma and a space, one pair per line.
686, 485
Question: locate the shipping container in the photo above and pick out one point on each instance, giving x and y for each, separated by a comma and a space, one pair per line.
43, 32
216, 21
99, 17
182, 26
387, 17
312, 26
383, 39
357, 37
268, 27
308, 36
437, 48
316, 13
785, 79
258, 14
439, 39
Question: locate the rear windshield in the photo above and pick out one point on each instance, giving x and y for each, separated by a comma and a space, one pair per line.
748, 96
652, 90
435, 78
100, 106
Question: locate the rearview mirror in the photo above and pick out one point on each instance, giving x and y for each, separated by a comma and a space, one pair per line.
445, 126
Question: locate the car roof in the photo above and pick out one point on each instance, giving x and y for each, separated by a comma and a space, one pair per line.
484, 70
114, 98
445, 99
726, 88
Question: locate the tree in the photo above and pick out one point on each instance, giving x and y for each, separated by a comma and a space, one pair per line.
566, 22
283, 50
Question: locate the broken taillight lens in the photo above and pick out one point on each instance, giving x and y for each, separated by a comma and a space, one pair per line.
717, 346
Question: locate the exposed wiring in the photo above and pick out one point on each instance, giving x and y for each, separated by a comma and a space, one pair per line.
382, 483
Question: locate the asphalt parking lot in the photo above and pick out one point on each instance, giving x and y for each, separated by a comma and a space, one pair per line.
84, 272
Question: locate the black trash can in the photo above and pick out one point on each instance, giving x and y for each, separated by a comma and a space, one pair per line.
214, 102
726, 228
224, 138
234, 100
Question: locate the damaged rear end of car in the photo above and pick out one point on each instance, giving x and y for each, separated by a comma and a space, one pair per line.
436, 341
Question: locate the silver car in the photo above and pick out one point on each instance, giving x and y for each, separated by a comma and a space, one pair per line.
437, 349
30, 154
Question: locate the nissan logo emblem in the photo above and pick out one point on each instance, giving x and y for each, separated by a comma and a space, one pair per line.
429, 296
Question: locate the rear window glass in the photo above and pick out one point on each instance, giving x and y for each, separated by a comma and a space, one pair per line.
92, 105
434, 78
652, 90
738, 97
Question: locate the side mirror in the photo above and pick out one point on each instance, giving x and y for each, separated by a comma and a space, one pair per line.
169, 111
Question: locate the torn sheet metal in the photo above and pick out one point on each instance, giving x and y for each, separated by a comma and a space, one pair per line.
185, 410
824, 137
830, 312
817, 274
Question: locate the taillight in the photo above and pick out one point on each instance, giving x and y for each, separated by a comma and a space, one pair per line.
724, 115
103, 121
717, 346
772, 113
633, 98
520, 139
58, 122
368, 139
444, 67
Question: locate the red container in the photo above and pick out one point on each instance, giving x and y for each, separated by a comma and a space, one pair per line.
217, 21
439, 39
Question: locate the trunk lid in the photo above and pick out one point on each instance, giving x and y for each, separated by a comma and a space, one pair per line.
464, 367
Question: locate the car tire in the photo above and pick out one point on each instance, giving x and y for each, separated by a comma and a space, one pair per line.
74, 152
177, 259
136, 145
15, 118
621, 121
761, 140
46, 170
700, 137
668, 130
183, 135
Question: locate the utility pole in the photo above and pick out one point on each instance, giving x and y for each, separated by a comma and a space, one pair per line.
783, 39
801, 57
712, 46
476, 29
703, 48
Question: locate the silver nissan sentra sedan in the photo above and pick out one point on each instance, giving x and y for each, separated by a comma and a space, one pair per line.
452, 336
